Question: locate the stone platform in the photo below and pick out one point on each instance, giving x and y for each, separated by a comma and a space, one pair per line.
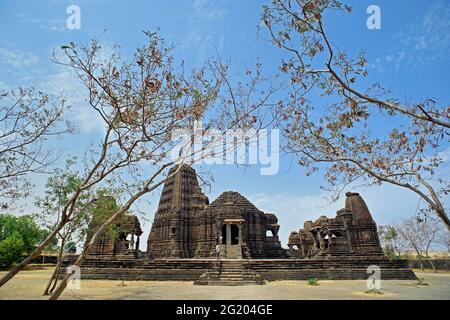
204, 271
336, 268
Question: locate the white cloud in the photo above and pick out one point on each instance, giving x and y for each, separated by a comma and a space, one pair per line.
17, 59
57, 25
203, 35
424, 41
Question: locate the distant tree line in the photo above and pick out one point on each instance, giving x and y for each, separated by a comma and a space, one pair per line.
19, 236
415, 237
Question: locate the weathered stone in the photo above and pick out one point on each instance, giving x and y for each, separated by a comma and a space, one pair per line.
352, 232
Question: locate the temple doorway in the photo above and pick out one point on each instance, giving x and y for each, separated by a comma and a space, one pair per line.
231, 238
233, 234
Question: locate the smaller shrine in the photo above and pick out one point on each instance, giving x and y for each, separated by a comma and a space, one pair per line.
120, 241
352, 232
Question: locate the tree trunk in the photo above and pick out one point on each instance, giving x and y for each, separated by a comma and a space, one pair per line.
444, 218
435, 203
55, 275
419, 256
110, 221
63, 284
432, 264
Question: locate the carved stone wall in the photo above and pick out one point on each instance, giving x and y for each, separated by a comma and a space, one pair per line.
172, 232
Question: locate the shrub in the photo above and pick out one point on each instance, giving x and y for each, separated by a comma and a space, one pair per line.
11, 251
374, 291
313, 282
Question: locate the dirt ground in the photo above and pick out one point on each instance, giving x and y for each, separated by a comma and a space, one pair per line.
29, 285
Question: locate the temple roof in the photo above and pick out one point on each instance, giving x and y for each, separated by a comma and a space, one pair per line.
232, 198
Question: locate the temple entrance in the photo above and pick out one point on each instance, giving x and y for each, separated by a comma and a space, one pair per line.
231, 234
234, 234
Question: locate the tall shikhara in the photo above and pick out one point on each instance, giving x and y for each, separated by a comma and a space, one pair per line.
181, 199
187, 226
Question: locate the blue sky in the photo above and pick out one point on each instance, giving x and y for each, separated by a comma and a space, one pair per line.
410, 55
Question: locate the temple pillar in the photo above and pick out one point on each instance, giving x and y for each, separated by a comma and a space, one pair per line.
240, 234
228, 230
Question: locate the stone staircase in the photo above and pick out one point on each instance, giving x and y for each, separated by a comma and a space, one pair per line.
231, 251
230, 273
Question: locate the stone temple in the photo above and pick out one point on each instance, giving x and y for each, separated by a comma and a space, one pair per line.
187, 227
352, 232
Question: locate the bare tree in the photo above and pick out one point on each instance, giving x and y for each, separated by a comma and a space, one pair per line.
363, 133
138, 111
143, 103
443, 239
421, 235
239, 108
28, 118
